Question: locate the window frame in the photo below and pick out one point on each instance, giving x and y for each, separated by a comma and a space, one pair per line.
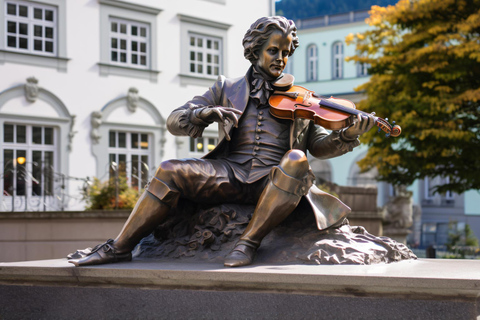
337, 60
132, 13
128, 151
57, 61
312, 63
192, 25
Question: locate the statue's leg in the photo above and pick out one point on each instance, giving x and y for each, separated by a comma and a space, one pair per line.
288, 183
189, 178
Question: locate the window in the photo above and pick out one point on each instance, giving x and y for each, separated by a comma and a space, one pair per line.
337, 60
205, 55
129, 155
31, 28
128, 40
312, 59
129, 43
29, 160
362, 69
431, 183
203, 44
203, 145
34, 33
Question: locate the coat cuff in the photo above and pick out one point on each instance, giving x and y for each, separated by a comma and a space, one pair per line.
343, 143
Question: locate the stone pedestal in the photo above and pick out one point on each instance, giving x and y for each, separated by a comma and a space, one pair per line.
414, 289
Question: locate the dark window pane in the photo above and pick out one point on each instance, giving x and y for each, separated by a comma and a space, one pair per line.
122, 164
200, 68
8, 133
144, 142
37, 173
143, 47
123, 57
134, 46
192, 41
209, 69
134, 30
48, 172
21, 172
38, 31
135, 172
37, 45
37, 135
122, 140
12, 42
199, 144
134, 59
48, 136
49, 32
112, 142
209, 58
209, 44
134, 141
143, 60
200, 42
114, 27
114, 43
123, 28
192, 56
192, 67
23, 11
8, 172
192, 144
23, 43
114, 56
216, 71
12, 27
23, 28
143, 32
12, 9
48, 46
200, 56
49, 15
38, 13
21, 134
123, 44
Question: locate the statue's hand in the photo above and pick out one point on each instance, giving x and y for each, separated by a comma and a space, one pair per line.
360, 126
222, 115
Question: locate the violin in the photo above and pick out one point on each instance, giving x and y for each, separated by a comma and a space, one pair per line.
330, 113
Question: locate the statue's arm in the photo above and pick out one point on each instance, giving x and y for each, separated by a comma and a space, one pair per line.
184, 121
323, 145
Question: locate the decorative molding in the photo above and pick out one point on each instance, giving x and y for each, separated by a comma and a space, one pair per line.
131, 6
132, 99
31, 89
110, 69
71, 133
96, 121
204, 22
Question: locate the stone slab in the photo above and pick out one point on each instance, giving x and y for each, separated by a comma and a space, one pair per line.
421, 289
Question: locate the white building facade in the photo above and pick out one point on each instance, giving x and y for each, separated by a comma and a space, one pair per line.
86, 87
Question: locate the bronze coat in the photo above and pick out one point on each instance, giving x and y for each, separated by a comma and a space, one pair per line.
304, 135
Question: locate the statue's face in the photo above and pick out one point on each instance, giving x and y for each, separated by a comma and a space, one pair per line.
273, 55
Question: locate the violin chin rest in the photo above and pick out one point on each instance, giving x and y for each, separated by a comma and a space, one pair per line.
284, 82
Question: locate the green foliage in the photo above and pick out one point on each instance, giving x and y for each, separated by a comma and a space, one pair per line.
303, 9
424, 58
461, 242
101, 195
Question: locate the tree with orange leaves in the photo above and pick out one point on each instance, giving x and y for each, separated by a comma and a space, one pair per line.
424, 58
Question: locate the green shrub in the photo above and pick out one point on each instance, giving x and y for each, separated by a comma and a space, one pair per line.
101, 195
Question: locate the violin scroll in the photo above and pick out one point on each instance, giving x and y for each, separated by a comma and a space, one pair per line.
391, 130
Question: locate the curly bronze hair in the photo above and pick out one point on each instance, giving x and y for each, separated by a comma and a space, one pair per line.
260, 31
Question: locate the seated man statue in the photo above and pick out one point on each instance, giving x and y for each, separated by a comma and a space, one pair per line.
261, 159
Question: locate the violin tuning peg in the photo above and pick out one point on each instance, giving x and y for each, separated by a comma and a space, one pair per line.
387, 135
393, 122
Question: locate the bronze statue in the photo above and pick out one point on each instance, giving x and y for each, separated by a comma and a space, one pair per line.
261, 159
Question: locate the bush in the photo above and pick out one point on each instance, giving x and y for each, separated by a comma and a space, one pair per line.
101, 195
